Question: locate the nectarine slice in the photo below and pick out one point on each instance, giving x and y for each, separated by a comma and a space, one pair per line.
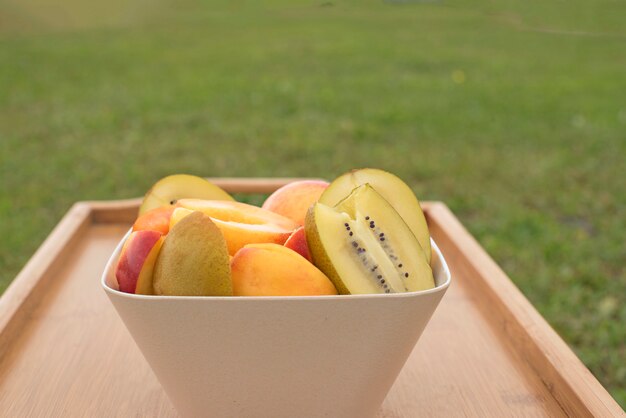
294, 199
274, 270
297, 242
157, 219
135, 266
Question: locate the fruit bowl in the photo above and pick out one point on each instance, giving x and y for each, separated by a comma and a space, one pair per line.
330, 356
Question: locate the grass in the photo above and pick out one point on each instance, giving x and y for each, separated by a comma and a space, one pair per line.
513, 113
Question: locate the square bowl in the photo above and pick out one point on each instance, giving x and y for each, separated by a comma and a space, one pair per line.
326, 356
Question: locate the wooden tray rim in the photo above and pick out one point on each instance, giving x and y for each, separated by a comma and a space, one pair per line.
573, 386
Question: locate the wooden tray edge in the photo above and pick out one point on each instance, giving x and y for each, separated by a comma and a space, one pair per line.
22, 294
571, 383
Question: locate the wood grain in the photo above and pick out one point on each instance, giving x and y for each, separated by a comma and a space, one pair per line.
486, 352
24, 292
567, 378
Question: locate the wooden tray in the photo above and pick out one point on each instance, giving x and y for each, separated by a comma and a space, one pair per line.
486, 352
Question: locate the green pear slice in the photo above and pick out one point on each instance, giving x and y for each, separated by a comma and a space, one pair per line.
364, 246
193, 260
392, 189
169, 189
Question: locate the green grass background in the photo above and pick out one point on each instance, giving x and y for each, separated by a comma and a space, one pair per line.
513, 113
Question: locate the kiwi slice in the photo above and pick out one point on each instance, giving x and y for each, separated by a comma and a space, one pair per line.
170, 189
364, 246
391, 188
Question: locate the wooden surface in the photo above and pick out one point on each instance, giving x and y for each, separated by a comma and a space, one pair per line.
487, 352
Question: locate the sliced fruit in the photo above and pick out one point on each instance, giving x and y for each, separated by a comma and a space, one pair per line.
134, 270
193, 260
297, 242
391, 188
168, 190
178, 214
157, 219
146, 276
294, 199
274, 270
364, 246
241, 223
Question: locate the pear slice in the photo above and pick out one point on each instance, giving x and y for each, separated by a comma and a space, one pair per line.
364, 246
391, 188
193, 260
169, 189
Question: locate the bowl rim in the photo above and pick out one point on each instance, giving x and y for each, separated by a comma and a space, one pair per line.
114, 256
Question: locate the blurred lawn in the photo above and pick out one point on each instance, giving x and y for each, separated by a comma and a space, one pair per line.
513, 113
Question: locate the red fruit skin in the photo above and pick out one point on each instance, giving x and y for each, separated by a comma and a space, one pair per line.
297, 242
294, 199
157, 219
134, 254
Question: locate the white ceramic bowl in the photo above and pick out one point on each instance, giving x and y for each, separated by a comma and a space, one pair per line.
315, 356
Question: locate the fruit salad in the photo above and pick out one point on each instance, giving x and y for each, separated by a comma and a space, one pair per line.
363, 233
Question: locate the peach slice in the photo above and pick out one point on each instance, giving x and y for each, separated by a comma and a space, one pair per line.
157, 219
241, 223
136, 264
168, 190
274, 270
294, 199
297, 242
